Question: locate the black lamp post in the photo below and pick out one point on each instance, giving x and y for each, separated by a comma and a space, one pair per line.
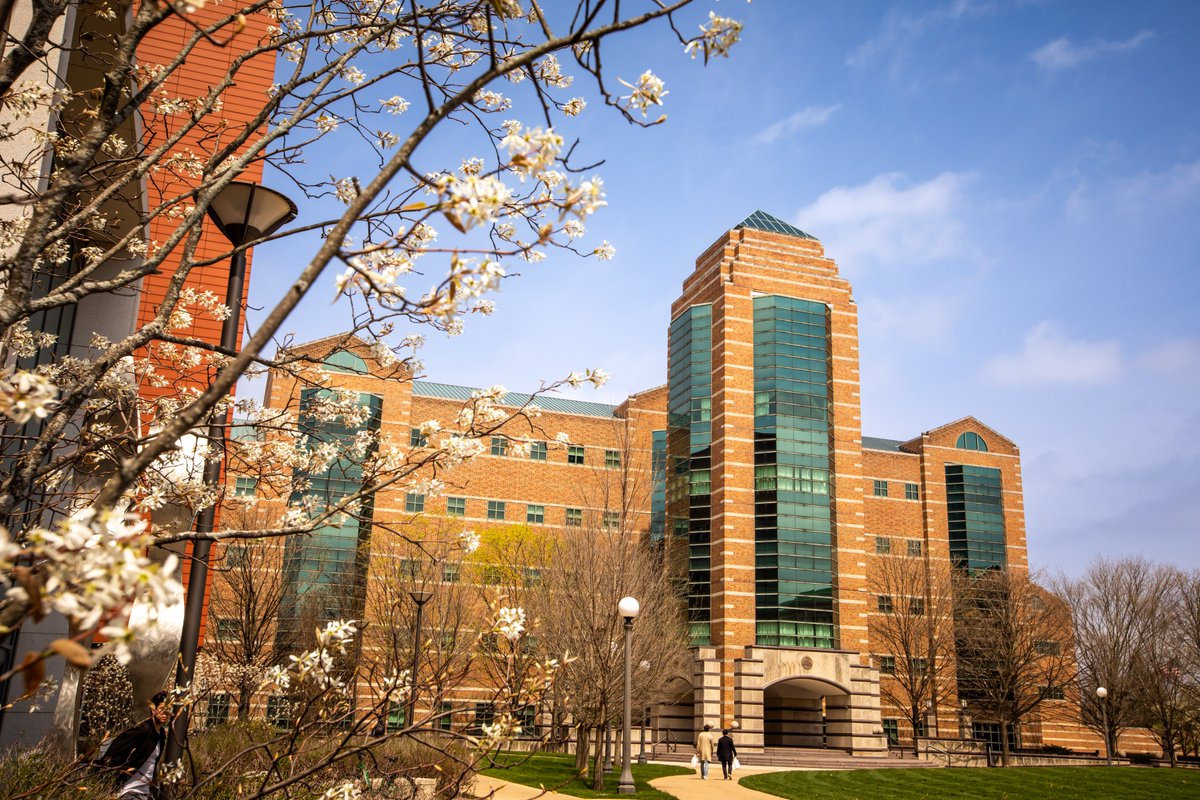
627, 608
244, 212
420, 597
1101, 696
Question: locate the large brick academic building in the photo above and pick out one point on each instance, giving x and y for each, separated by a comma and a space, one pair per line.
761, 478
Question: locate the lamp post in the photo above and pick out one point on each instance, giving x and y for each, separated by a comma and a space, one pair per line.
420, 597
1101, 694
244, 213
627, 608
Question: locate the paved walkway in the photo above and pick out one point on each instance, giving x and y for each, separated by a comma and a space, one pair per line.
691, 787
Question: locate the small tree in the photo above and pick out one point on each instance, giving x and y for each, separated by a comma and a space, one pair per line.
917, 633
1014, 646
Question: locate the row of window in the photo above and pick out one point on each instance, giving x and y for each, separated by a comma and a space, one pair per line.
886, 605
887, 665
911, 490
538, 451
883, 546
279, 713
414, 503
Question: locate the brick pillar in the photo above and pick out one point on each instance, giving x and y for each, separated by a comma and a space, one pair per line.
748, 701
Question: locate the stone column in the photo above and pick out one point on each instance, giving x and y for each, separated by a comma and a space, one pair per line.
706, 689
748, 702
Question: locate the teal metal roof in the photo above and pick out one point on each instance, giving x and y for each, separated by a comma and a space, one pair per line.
546, 402
875, 443
762, 221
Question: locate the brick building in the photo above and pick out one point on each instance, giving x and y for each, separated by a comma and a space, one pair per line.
762, 489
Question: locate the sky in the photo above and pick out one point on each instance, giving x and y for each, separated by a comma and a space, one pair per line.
1012, 188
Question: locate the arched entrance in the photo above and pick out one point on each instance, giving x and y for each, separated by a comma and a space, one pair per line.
806, 712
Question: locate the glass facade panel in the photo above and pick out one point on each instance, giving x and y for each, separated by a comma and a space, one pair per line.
689, 460
325, 572
975, 510
658, 490
792, 480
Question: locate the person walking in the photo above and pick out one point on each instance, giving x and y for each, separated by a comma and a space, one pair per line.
704, 750
132, 757
726, 753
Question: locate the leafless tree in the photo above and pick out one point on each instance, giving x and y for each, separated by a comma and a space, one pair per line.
1165, 679
1014, 645
1112, 608
916, 634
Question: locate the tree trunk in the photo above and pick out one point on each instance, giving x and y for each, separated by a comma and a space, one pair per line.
582, 743
916, 715
243, 707
601, 755
1003, 743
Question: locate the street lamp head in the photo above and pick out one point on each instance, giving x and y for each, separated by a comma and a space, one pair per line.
245, 211
420, 596
1101, 692
629, 607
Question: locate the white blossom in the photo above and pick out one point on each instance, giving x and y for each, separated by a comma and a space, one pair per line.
647, 92
716, 38
510, 623
469, 541
605, 251
25, 395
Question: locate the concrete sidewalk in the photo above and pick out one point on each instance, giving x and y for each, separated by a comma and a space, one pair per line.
691, 787
496, 789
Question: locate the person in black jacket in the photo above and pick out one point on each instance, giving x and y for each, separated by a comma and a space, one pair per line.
133, 755
726, 753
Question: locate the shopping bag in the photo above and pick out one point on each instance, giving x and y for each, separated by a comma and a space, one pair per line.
695, 761
736, 764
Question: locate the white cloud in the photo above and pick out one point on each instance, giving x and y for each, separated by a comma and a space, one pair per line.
1062, 53
1175, 358
1048, 357
885, 221
900, 32
1137, 195
811, 117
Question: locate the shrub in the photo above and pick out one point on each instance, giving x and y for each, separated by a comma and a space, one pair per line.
1142, 759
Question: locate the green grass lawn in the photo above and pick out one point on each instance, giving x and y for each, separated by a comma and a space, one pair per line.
1019, 783
557, 772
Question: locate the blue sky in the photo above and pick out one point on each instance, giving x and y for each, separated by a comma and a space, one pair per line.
1013, 188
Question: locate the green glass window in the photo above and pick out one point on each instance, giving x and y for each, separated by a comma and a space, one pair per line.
975, 513
881, 488
884, 603
911, 492
891, 729
612, 459
499, 446
612, 520
971, 441
445, 720
527, 718
917, 665
537, 451
279, 711
574, 517
456, 506
575, 454
218, 709
914, 547
535, 514
451, 572
794, 588
245, 487
416, 438
414, 503
395, 718
228, 628
916, 606
495, 509
343, 361
883, 545
887, 665
485, 713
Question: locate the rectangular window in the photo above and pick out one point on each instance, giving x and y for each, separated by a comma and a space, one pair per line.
414, 503
527, 717
612, 520
218, 709
914, 547
395, 720
1053, 693
450, 573
495, 509
884, 603
279, 711
535, 515
456, 506
228, 628
911, 492
445, 720
574, 517
891, 729
499, 446
883, 545
416, 438
880, 488
1045, 648
918, 666
537, 451
575, 454
612, 459
484, 714
916, 606
887, 665
532, 577
245, 487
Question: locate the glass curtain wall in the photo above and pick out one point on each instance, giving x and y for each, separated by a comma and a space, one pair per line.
792, 485
689, 459
975, 510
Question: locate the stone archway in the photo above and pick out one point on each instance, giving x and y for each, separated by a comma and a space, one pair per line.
806, 712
